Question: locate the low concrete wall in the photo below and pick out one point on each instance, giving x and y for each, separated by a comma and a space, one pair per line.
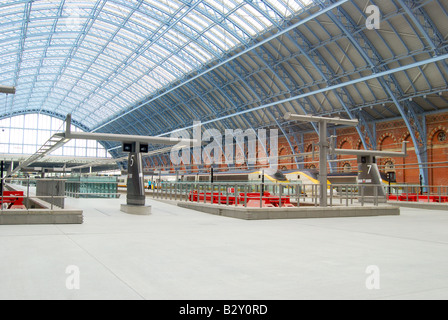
292, 213
421, 205
30, 203
39, 212
41, 216
48, 188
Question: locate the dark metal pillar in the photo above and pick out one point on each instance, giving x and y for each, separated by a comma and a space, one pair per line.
136, 185
323, 160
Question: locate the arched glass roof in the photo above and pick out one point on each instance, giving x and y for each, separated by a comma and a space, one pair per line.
95, 59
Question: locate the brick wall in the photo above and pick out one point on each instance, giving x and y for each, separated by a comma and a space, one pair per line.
390, 136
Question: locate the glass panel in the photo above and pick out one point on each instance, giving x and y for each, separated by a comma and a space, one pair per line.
16, 136
4, 148
16, 149
122, 37
17, 122
29, 136
91, 152
81, 152
29, 149
19, 140
69, 151
4, 135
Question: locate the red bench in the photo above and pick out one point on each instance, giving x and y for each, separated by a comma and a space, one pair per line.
13, 199
413, 197
253, 199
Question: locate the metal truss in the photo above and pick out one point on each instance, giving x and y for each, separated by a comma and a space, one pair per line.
175, 69
96, 59
412, 119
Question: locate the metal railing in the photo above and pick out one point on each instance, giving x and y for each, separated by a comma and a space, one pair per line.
92, 189
30, 200
253, 194
417, 193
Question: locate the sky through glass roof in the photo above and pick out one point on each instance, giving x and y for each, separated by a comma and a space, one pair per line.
96, 58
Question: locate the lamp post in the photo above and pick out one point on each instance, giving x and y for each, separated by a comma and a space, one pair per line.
323, 146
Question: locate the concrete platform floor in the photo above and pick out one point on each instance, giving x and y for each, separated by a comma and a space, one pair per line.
181, 254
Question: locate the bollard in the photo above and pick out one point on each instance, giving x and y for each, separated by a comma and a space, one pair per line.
346, 196
169, 191
280, 193
236, 198
351, 195
362, 195
212, 191
331, 196
261, 196
340, 196
3, 188
27, 194
298, 195
375, 195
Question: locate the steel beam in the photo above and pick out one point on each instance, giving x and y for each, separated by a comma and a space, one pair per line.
330, 88
323, 146
243, 52
338, 121
7, 90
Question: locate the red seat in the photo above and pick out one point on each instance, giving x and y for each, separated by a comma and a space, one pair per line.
14, 199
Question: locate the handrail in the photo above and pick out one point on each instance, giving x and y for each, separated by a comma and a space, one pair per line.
258, 194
